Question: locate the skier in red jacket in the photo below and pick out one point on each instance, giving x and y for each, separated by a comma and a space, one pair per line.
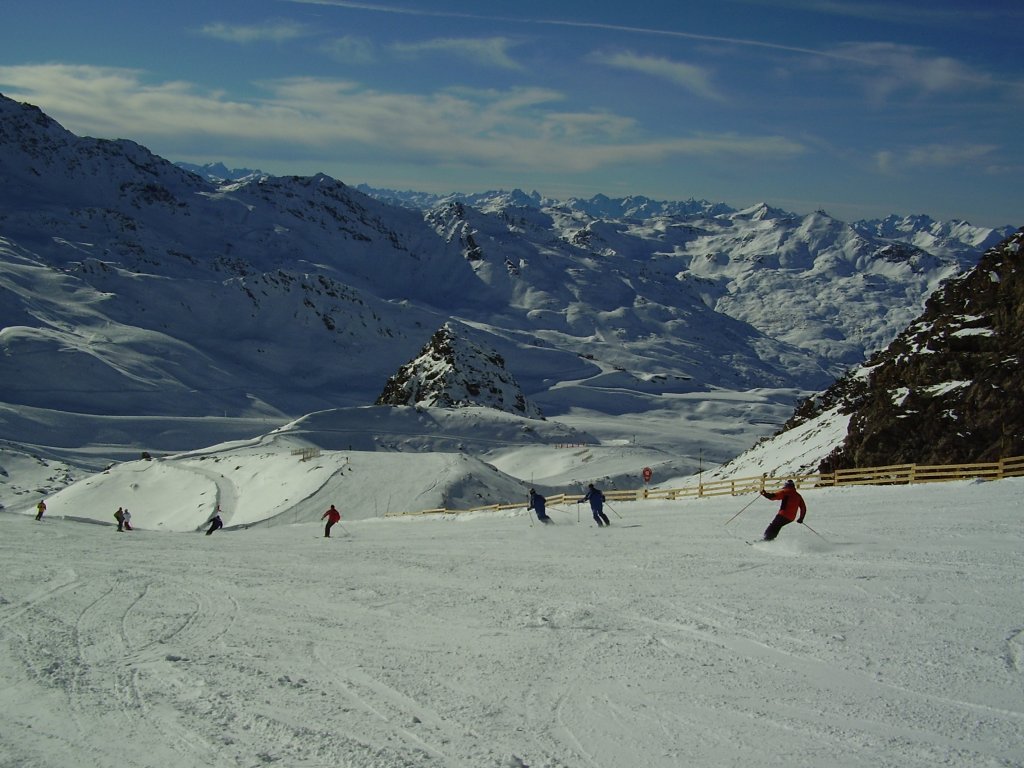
332, 516
791, 506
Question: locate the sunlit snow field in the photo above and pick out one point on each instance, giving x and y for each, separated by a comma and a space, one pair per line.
890, 635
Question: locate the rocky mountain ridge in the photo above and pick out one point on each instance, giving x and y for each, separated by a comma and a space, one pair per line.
948, 389
453, 371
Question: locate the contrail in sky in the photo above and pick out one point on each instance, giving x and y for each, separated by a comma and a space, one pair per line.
378, 8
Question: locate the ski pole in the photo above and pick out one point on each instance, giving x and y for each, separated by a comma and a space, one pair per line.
805, 525
742, 510
613, 510
560, 509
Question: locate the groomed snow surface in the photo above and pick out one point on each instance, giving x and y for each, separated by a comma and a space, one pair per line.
891, 635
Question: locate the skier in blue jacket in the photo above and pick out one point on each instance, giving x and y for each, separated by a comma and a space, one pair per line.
596, 499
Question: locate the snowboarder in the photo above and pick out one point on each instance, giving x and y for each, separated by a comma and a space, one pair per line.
119, 516
127, 519
332, 516
537, 504
215, 521
40, 508
596, 499
792, 505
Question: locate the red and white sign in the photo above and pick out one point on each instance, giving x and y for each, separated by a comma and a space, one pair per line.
647, 474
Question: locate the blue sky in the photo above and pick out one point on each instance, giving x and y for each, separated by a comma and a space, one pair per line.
860, 108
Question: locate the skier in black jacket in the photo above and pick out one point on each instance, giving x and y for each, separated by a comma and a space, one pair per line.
596, 499
215, 521
537, 504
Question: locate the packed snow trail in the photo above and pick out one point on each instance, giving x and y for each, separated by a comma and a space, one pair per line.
480, 642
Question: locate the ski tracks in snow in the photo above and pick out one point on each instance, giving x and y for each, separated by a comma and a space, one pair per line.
707, 636
227, 493
413, 712
1015, 650
106, 662
66, 580
386, 714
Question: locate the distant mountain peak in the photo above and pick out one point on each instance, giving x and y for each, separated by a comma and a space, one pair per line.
453, 371
763, 212
218, 173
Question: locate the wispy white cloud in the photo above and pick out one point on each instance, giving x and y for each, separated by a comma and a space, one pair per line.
888, 69
335, 121
351, 49
488, 51
884, 67
113, 102
270, 31
934, 156
692, 78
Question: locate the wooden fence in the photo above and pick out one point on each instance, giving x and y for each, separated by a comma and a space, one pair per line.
896, 474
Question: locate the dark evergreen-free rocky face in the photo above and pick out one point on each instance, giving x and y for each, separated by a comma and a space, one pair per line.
454, 371
949, 388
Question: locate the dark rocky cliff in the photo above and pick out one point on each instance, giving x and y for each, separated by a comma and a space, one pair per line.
452, 371
949, 389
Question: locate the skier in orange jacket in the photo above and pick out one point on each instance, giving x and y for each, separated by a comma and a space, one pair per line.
792, 505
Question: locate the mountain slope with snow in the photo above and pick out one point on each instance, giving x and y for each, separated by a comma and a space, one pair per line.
147, 308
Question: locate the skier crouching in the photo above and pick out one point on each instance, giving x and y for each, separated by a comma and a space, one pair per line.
215, 522
538, 504
791, 506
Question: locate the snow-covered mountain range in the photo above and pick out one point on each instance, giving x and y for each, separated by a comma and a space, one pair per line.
146, 307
